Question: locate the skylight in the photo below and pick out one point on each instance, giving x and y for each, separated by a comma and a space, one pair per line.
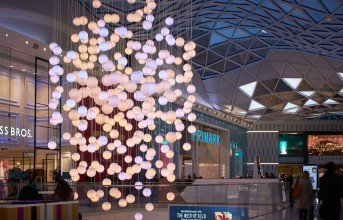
249, 89
330, 102
307, 93
311, 102
340, 75
291, 108
255, 106
293, 82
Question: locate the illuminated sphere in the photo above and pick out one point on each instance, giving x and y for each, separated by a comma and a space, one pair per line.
170, 154
91, 193
143, 148
106, 206
128, 159
147, 192
52, 145
191, 117
186, 146
169, 21
171, 166
159, 139
66, 136
170, 196
165, 148
130, 198
83, 35
171, 178
96, 4
171, 137
159, 164
106, 182
100, 193
138, 216
191, 129
149, 207
122, 203
100, 169
191, 89
91, 172
138, 185
107, 155
75, 156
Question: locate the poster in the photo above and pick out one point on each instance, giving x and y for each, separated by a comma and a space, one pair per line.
207, 212
313, 171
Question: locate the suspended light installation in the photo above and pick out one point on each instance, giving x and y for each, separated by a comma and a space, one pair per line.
135, 91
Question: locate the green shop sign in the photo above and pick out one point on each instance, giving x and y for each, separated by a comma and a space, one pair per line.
206, 137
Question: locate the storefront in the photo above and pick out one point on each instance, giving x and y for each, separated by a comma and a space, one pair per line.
209, 157
24, 119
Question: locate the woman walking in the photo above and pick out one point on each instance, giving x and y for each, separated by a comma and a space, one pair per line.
304, 199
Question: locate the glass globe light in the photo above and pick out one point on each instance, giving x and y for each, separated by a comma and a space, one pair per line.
106, 206
122, 203
170, 154
146, 192
52, 145
91, 193
96, 4
191, 129
138, 185
100, 193
149, 207
170, 196
75, 156
138, 216
106, 182
186, 146
130, 198
107, 155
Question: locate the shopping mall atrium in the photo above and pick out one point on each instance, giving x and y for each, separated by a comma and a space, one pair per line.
171, 109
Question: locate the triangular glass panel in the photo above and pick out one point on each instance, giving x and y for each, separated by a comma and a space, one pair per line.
340, 74
249, 89
261, 90
292, 110
341, 92
330, 102
307, 93
293, 82
311, 102
255, 106
226, 32
290, 105
216, 39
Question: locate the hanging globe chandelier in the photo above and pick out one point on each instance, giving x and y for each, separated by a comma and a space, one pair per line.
134, 93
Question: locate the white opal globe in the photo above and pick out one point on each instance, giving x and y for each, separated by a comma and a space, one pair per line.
169, 21
147, 192
52, 145
138, 215
170, 196
186, 146
122, 203
149, 207
106, 206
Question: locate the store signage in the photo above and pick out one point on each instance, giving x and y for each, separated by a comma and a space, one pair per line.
283, 147
322, 160
14, 131
206, 137
207, 212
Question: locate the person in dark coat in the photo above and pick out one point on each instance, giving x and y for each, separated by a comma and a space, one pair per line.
30, 191
330, 193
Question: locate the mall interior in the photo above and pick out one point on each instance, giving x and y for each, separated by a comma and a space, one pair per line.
171, 109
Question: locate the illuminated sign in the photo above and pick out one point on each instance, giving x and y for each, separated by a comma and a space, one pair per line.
283, 147
15, 132
206, 137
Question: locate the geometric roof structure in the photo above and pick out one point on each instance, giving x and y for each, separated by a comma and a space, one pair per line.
255, 57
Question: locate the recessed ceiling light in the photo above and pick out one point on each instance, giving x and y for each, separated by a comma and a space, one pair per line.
44, 49
23, 70
11, 66
6, 35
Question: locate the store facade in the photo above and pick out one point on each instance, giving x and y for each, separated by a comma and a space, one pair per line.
24, 119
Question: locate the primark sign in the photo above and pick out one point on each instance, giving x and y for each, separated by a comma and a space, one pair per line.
15, 132
206, 137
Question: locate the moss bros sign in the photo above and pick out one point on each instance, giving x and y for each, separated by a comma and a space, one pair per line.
15, 132
206, 137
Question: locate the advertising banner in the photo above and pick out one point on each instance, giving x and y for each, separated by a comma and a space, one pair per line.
207, 212
313, 171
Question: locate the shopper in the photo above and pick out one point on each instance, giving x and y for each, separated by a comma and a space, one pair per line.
30, 191
303, 194
330, 193
63, 191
